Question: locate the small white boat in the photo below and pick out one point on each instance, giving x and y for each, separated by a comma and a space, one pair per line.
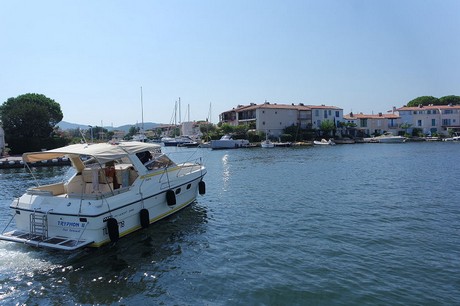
389, 138
227, 142
324, 142
206, 144
140, 137
267, 143
455, 137
120, 188
179, 141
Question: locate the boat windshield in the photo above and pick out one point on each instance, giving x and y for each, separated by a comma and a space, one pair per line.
159, 161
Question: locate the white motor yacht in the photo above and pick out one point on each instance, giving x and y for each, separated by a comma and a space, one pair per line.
115, 189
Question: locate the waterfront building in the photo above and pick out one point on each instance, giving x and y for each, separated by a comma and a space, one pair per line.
273, 118
118, 135
166, 130
366, 125
191, 128
431, 119
322, 113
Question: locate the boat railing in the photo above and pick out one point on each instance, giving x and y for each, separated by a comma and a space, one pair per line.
189, 167
179, 170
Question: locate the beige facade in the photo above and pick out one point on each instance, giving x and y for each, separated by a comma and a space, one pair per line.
367, 125
273, 118
320, 113
431, 119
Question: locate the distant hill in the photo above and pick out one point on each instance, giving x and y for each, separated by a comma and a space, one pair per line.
63, 125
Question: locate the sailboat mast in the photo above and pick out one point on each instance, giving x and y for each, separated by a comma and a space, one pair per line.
179, 112
209, 113
175, 114
142, 111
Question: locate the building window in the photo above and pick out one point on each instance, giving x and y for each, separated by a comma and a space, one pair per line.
363, 122
428, 112
434, 111
448, 111
263, 123
337, 114
446, 122
325, 114
419, 122
433, 122
329, 112
316, 112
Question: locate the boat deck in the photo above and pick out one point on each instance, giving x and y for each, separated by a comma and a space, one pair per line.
57, 242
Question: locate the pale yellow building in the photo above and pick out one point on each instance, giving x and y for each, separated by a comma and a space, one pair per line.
273, 118
367, 125
431, 119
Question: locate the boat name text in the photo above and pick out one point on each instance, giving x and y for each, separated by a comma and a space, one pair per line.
71, 224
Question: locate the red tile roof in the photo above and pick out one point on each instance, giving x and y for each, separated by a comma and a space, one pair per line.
282, 106
428, 107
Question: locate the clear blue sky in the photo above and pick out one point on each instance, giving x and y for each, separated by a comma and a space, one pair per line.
92, 57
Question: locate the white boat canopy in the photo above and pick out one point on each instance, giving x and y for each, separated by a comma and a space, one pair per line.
102, 152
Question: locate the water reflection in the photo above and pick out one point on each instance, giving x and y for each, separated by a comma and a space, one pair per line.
225, 172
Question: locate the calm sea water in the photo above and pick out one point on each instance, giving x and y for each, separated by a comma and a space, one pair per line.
360, 224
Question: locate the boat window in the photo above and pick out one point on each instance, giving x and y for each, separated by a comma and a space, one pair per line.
159, 161
189, 185
69, 174
177, 190
144, 156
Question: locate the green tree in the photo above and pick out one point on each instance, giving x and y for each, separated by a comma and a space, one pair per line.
240, 131
297, 133
454, 100
423, 100
133, 130
227, 128
416, 132
348, 126
405, 126
208, 130
28, 121
327, 126
100, 134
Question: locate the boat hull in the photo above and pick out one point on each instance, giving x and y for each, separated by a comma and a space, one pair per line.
229, 144
69, 231
267, 144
